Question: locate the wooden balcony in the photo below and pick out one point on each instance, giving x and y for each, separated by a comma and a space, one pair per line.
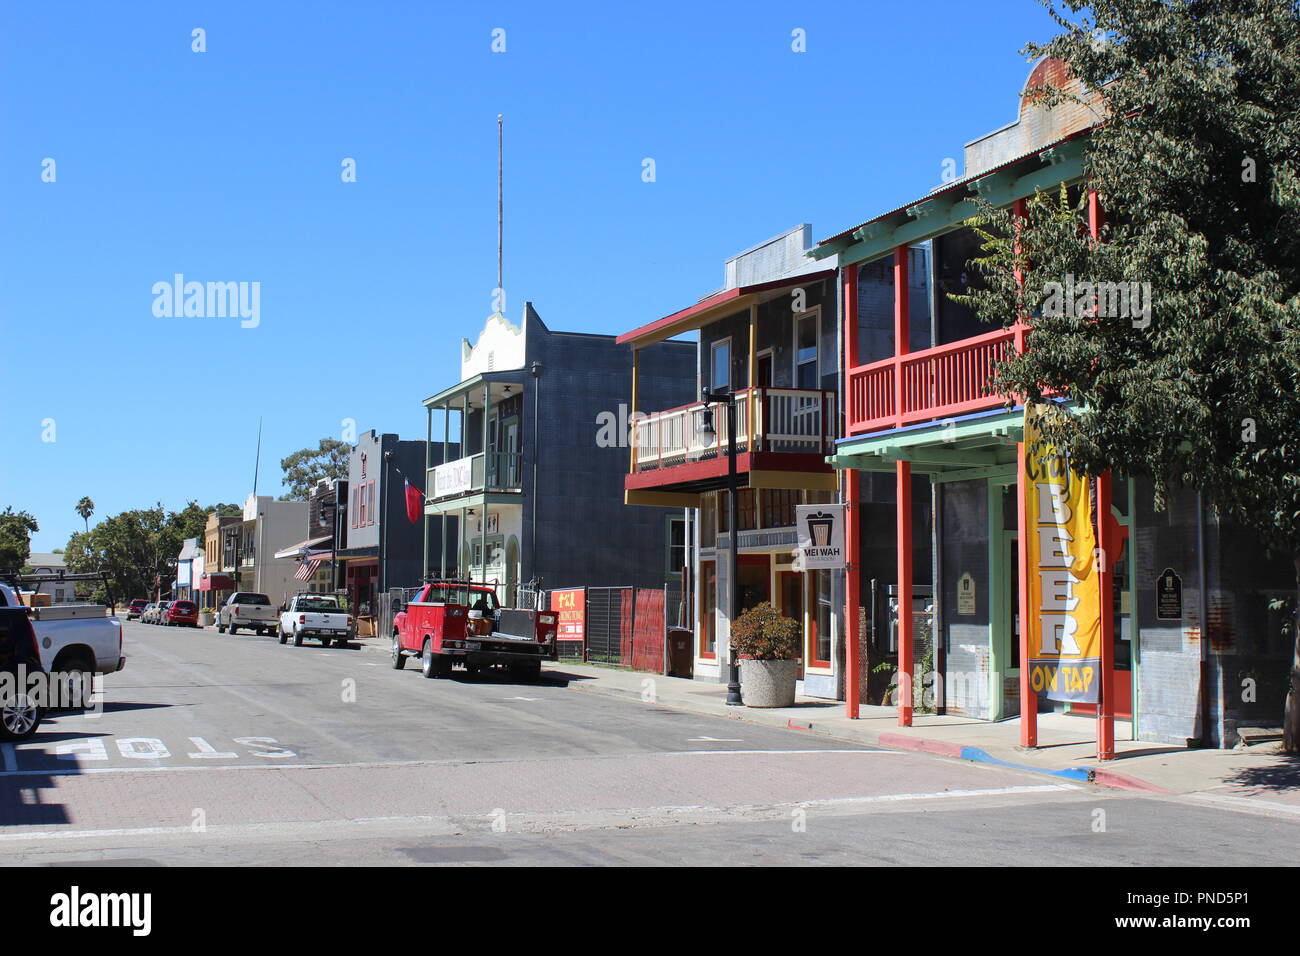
777, 429
941, 382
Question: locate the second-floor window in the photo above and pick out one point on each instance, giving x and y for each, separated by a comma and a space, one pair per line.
720, 369
807, 374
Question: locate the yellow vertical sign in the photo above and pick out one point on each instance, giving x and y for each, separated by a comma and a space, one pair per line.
1063, 580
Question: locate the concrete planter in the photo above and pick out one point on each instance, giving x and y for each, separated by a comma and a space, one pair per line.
768, 683
206, 618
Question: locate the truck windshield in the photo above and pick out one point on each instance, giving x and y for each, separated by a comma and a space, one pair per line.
317, 604
462, 595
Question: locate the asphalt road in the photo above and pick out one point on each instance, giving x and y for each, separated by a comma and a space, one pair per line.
222, 750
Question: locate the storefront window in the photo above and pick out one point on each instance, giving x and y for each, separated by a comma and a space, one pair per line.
819, 640
708, 608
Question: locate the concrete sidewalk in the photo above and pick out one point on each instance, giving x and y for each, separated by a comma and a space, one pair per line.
1067, 744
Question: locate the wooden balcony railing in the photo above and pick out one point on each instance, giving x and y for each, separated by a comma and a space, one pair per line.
934, 383
783, 420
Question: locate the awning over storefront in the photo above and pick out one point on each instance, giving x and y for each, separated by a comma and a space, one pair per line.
303, 548
216, 582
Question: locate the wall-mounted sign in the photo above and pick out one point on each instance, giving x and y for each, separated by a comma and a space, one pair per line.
1169, 596
966, 594
1064, 591
453, 478
821, 535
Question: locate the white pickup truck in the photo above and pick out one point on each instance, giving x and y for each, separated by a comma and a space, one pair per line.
319, 616
75, 640
249, 610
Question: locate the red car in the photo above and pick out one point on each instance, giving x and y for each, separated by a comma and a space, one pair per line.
135, 609
452, 622
181, 612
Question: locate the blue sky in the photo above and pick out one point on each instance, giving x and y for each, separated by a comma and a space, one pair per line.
225, 166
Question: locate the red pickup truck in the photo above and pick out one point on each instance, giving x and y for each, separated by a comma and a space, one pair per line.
450, 622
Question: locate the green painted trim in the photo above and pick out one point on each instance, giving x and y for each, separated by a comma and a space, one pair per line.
917, 224
942, 434
966, 474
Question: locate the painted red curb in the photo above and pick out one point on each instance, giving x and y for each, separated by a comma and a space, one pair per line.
943, 748
1113, 778
793, 724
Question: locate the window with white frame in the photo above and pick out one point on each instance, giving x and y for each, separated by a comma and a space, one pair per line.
720, 366
807, 372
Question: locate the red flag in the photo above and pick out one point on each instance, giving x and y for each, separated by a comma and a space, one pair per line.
414, 502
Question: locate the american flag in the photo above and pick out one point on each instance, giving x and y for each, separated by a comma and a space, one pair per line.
306, 569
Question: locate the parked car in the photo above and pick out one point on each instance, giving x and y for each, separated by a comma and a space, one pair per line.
159, 611
249, 610
74, 641
150, 613
319, 616
451, 622
181, 612
20, 716
135, 609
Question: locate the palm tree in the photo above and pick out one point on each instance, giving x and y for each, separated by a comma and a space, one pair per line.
85, 508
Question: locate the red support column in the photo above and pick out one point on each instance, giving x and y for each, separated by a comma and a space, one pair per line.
1105, 587
903, 470
1028, 698
1096, 215
852, 529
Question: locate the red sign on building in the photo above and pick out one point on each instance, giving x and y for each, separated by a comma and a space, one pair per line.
571, 605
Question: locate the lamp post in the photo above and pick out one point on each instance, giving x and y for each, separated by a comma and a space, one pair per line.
711, 398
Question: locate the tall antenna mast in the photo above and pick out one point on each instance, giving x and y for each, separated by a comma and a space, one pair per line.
500, 205
257, 461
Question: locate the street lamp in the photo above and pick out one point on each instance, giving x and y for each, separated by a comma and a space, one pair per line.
728, 398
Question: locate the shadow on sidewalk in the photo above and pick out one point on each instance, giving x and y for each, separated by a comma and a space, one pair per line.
1284, 775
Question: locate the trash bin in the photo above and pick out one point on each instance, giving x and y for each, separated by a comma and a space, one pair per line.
681, 652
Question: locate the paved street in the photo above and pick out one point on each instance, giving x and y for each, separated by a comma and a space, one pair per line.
219, 750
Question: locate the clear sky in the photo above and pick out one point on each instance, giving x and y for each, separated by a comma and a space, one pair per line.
225, 166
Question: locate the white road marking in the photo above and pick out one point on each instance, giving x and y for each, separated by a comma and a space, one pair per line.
716, 740
521, 698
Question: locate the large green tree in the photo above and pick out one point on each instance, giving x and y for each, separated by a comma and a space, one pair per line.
138, 548
16, 529
307, 466
1197, 164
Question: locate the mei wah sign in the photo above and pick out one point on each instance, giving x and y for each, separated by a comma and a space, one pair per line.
1064, 598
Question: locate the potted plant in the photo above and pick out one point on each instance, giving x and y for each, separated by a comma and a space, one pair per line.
207, 616
768, 647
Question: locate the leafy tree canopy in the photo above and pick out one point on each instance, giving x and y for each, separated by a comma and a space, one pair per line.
307, 466
16, 529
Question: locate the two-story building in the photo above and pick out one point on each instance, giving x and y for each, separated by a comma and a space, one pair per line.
319, 569
770, 336
536, 491
385, 548
217, 581
933, 463
267, 525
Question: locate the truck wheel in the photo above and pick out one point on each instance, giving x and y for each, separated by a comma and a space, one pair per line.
221, 629
297, 638
434, 665
233, 629
399, 659
19, 716
283, 636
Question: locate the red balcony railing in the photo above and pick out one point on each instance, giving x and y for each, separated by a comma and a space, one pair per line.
934, 383
783, 420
